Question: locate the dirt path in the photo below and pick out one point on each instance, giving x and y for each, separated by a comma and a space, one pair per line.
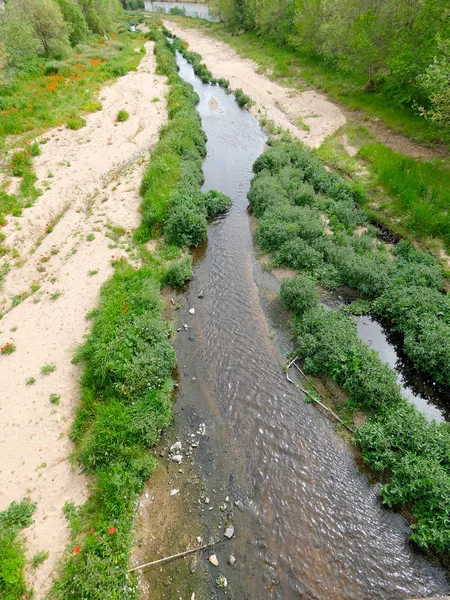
93, 177
281, 105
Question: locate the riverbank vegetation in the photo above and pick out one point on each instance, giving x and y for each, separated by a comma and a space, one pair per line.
309, 219
172, 198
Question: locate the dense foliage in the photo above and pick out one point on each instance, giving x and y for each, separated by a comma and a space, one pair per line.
309, 220
172, 199
12, 549
400, 46
30, 28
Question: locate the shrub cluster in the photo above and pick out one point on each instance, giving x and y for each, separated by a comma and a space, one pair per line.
309, 220
178, 273
401, 441
171, 185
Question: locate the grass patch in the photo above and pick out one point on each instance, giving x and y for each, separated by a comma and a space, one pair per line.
54, 398
12, 549
420, 190
47, 369
39, 558
8, 348
122, 116
126, 402
30, 381
75, 122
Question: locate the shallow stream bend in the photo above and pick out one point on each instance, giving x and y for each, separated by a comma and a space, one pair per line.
309, 525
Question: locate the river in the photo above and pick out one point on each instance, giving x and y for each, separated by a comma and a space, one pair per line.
308, 524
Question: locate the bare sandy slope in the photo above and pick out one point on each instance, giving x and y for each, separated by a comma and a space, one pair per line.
281, 105
96, 173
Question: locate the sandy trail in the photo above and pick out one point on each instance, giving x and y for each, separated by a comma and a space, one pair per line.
96, 176
283, 106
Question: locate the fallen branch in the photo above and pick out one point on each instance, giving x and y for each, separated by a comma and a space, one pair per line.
312, 397
180, 555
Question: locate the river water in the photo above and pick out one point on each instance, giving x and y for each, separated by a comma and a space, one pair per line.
308, 524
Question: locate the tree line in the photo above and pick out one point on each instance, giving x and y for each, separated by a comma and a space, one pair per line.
50, 28
401, 46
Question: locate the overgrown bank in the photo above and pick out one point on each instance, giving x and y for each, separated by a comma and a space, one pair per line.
128, 358
309, 220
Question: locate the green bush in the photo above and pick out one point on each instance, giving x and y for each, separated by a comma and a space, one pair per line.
415, 452
216, 203
299, 294
178, 273
185, 227
242, 99
298, 254
329, 343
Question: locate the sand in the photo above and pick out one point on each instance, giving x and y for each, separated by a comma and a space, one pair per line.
284, 106
96, 172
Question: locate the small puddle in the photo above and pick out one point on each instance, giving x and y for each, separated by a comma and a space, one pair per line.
426, 396
307, 523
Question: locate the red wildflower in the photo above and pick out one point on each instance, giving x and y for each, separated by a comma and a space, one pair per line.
92, 530
76, 549
111, 530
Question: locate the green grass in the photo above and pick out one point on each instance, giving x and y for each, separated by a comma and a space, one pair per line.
54, 398
39, 558
295, 68
420, 190
30, 381
7, 348
122, 116
47, 369
12, 549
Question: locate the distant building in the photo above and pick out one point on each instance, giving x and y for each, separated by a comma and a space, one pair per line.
190, 9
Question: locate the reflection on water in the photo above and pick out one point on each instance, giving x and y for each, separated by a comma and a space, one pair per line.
308, 524
426, 396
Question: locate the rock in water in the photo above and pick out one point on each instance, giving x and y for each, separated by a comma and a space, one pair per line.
229, 532
231, 560
213, 560
192, 311
175, 447
177, 458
